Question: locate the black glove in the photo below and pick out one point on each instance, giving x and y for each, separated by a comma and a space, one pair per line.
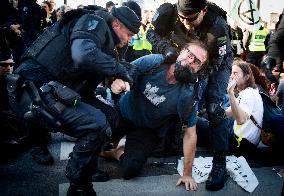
129, 74
101, 91
171, 54
268, 63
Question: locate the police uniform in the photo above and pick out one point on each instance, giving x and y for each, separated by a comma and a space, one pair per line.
257, 46
237, 43
169, 32
276, 44
78, 52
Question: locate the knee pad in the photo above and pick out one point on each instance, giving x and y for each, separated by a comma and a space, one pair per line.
216, 113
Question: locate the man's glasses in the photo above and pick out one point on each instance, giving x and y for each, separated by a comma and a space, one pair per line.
196, 60
189, 19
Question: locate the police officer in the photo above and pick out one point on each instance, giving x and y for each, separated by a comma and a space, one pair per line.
237, 40
175, 24
139, 45
79, 52
275, 52
258, 41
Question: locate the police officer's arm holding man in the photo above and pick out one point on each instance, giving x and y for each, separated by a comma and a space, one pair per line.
78, 48
199, 19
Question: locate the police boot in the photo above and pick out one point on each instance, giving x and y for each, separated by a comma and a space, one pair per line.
81, 190
218, 174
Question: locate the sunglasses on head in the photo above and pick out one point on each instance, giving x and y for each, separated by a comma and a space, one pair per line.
189, 19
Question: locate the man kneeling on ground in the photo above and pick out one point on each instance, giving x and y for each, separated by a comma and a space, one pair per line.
161, 92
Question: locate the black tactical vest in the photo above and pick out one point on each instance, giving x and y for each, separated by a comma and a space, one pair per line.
52, 48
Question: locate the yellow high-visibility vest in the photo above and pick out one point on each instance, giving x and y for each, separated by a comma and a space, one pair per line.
257, 40
140, 41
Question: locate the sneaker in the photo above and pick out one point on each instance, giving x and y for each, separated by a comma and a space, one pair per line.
73, 190
100, 176
42, 156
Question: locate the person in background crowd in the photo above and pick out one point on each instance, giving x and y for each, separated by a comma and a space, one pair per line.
6, 68
199, 19
12, 32
32, 20
139, 45
62, 10
109, 5
237, 39
256, 44
82, 49
245, 101
52, 9
248, 103
49, 18
274, 61
147, 16
260, 79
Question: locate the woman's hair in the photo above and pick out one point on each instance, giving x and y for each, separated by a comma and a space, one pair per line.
260, 79
245, 67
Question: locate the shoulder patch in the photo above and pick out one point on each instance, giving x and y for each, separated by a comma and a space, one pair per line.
88, 23
223, 50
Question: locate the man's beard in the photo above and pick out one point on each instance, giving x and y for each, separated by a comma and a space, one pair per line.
184, 74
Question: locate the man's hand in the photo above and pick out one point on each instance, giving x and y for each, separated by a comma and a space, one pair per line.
189, 182
119, 86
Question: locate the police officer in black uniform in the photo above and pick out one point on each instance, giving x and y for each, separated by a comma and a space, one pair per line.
275, 51
198, 19
77, 53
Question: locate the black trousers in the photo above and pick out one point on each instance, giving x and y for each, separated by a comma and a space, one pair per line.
140, 143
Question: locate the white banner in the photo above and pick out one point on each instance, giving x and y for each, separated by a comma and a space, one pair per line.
237, 168
246, 14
